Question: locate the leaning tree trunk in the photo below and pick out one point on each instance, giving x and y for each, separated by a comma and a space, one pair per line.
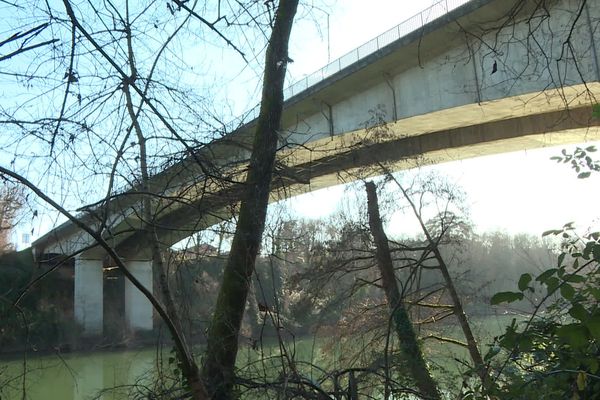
222, 346
188, 365
408, 340
458, 309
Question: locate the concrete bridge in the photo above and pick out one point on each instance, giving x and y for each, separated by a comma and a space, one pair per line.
459, 80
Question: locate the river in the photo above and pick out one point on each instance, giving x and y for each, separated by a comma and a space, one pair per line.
76, 376
82, 376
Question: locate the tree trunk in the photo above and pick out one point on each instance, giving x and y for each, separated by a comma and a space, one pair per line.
188, 365
408, 340
458, 308
459, 312
222, 346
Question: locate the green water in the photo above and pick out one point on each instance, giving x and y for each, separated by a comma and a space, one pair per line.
74, 376
82, 376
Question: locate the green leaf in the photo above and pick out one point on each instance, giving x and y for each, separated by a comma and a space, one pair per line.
567, 291
524, 282
591, 149
552, 284
595, 292
506, 297
588, 250
575, 335
509, 338
569, 225
584, 175
552, 232
579, 312
525, 343
596, 251
545, 275
593, 324
593, 364
574, 278
581, 380
561, 258
491, 353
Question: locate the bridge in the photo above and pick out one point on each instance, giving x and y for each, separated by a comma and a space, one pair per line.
459, 80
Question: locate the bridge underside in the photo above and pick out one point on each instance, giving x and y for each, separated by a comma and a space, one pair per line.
547, 118
522, 122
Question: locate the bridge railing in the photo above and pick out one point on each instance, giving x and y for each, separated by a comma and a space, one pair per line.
404, 28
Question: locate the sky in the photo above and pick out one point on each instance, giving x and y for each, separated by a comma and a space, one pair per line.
515, 192
518, 192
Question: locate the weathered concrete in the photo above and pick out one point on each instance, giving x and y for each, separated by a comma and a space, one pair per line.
138, 310
88, 301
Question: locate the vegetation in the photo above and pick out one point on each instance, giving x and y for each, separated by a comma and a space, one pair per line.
555, 352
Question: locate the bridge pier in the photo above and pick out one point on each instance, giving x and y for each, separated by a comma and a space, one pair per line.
89, 296
138, 310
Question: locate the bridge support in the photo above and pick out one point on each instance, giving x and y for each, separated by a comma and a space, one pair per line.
138, 310
88, 301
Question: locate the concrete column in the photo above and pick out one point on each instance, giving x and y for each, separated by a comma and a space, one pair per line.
138, 310
88, 301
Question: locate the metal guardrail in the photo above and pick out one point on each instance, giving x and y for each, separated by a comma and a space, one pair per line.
401, 30
404, 28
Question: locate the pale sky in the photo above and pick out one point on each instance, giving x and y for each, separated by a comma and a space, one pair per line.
520, 192
351, 23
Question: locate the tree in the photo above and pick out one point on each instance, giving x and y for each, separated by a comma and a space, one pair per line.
125, 114
11, 201
447, 221
554, 352
399, 317
218, 369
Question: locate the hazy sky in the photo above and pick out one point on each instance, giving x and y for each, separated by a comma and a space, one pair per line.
514, 192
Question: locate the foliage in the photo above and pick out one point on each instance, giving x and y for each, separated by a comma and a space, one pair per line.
556, 352
580, 161
33, 317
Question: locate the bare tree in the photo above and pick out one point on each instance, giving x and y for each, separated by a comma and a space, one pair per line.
399, 316
124, 115
433, 242
218, 369
11, 200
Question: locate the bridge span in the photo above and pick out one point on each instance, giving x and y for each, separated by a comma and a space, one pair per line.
472, 78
